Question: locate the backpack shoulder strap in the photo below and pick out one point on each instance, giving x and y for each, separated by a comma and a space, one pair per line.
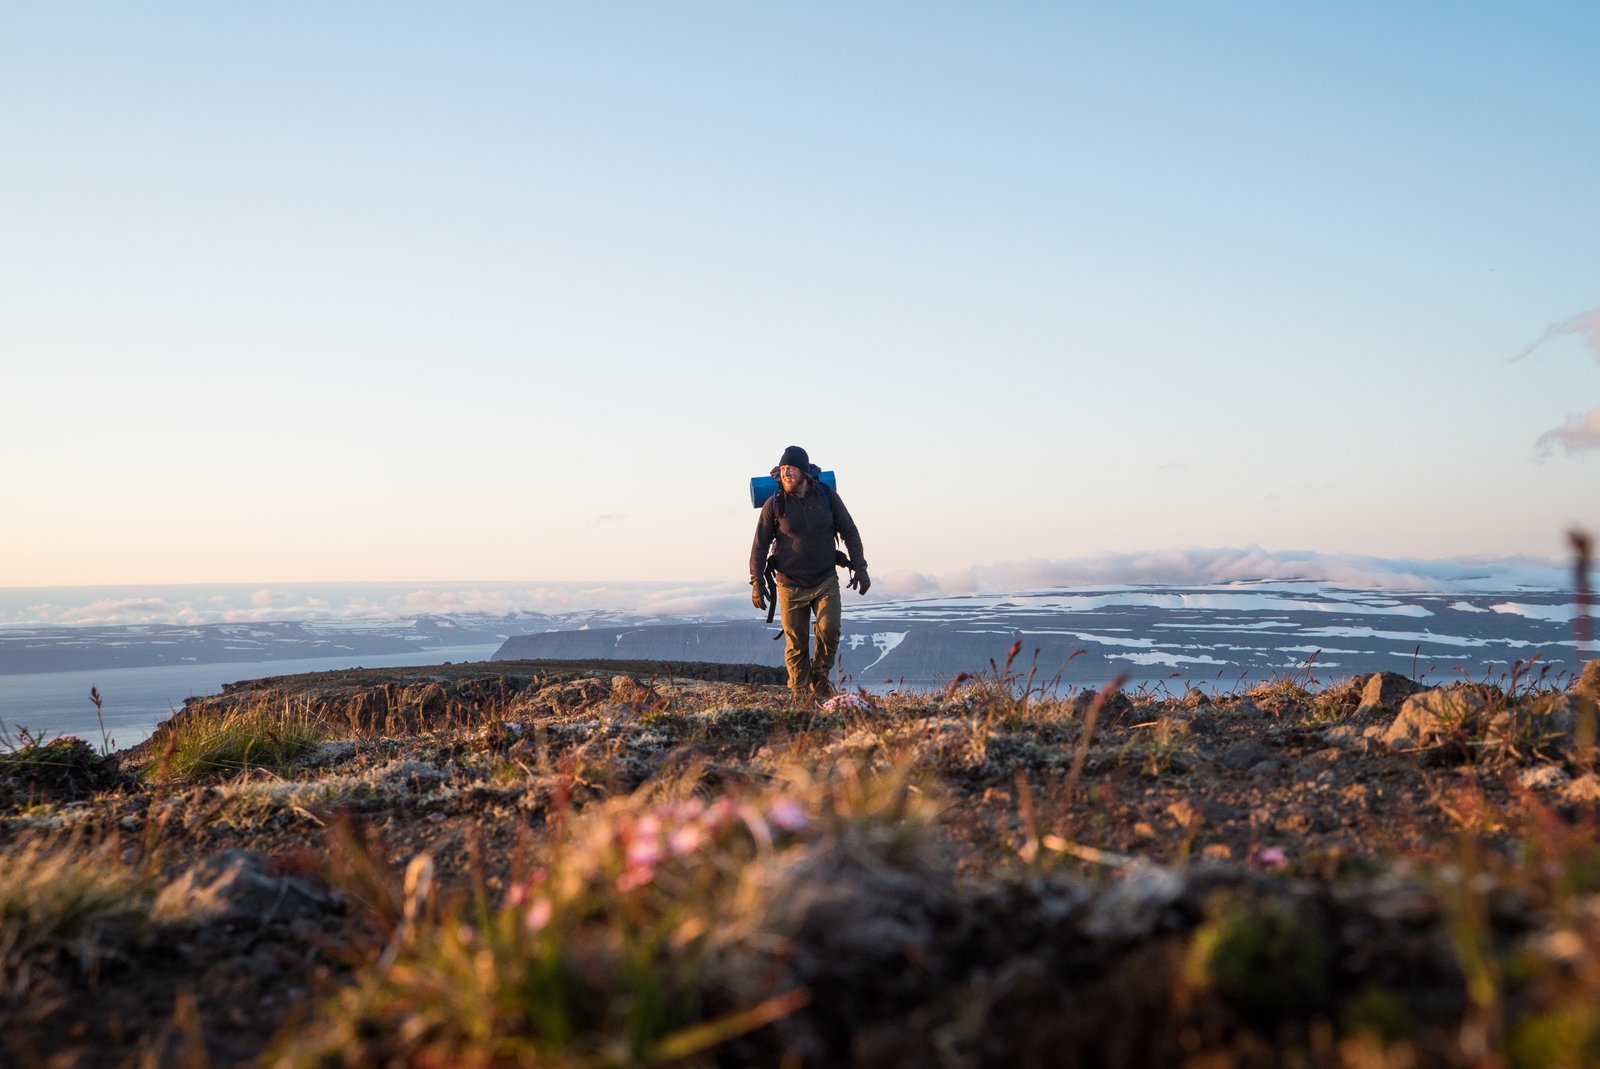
833, 510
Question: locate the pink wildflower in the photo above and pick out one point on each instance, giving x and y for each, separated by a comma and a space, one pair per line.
757, 824
718, 814
685, 840
1270, 859
847, 703
539, 914
634, 877
787, 814
518, 892
644, 851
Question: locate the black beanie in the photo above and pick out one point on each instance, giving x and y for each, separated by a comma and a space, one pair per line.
796, 456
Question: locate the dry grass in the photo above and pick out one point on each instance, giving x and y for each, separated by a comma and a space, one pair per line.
651, 932
267, 736
62, 896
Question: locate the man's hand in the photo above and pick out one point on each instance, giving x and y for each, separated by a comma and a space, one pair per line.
758, 597
860, 581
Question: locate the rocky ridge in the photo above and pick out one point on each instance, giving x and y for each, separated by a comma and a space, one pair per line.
1271, 877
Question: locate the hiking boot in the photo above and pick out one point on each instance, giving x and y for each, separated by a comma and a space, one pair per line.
821, 690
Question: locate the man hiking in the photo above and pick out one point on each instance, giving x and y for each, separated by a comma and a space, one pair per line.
798, 526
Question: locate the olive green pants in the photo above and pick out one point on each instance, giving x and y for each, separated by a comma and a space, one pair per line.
796, 606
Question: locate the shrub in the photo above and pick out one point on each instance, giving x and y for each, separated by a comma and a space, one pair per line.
59, 769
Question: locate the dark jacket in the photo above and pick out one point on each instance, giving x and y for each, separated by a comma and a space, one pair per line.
804, 529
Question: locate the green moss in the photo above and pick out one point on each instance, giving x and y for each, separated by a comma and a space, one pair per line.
1563, 1038
1263, 958
60, 769
1379, 1012
50, 758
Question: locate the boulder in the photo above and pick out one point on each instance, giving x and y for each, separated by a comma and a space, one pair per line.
637, 695
236, 885
1435, 715
1387, 691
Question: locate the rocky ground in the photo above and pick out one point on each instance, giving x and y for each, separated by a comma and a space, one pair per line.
1362, 874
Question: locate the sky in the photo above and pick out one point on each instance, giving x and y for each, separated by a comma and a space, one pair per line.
525, 292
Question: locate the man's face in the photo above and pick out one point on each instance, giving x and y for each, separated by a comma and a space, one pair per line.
791, 477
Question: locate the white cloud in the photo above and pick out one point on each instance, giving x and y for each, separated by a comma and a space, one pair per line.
120, 610
904, 584
723, 600
1580, 433
1203, 566
1585, 324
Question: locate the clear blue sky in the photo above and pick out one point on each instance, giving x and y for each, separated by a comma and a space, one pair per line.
305, 291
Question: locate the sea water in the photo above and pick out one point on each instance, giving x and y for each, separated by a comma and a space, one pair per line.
135, 700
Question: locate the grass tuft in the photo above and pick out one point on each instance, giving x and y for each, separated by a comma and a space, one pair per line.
262, 736
59, 897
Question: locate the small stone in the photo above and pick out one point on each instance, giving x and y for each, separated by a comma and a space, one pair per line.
1433, 715
1585, 790
1184, 813
625, 689
1114, 706
234, 885
1588, 685
1542, 777
1387, 691
1343, 736
1242, 755
1133, 908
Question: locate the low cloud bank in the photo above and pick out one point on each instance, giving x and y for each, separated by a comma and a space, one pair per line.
355, 602
330, 603
1203, 566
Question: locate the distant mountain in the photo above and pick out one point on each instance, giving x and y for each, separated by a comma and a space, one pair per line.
1214, 635
1210, 635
